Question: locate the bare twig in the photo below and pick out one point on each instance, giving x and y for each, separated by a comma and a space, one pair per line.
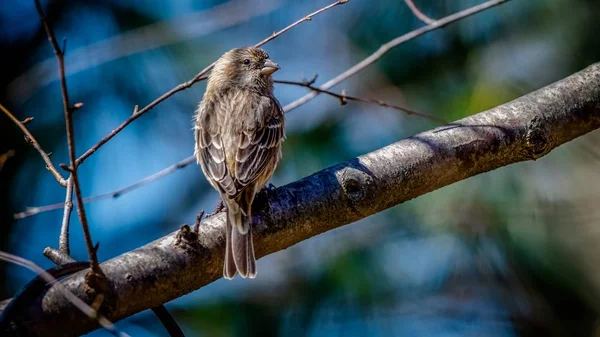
114, 194
31, 140
168, 321
95, 266
57, 256
185, 85
418, 13
306, 18
63, 239
391, 44
76, 301
199, 218
343, 97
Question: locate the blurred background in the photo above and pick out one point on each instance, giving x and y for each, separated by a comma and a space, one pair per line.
513, 252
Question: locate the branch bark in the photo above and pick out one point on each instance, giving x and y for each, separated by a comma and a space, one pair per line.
526, 128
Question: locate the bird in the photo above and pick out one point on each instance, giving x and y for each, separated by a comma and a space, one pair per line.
239, 128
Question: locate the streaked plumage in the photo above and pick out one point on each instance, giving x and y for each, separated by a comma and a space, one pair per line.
239, 130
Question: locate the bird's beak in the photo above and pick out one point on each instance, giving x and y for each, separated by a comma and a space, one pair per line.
269, 68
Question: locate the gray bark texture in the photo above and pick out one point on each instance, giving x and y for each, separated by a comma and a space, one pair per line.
524, 129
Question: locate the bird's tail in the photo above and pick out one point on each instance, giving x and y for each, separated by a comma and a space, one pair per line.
239, 249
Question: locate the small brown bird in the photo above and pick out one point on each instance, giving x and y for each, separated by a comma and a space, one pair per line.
239, 130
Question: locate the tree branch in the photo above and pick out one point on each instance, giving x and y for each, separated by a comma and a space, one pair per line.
411, 5
63, 239
114, 194
524, 129
29, 138
68, 110
344, 98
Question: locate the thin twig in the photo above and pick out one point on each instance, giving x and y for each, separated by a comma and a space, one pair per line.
199, 218
76, 301
391, 44
31, 140
95, 266
168, 321
57, 256
306, 18
418, 13
343, 97
63, 239
114, 194
185, 85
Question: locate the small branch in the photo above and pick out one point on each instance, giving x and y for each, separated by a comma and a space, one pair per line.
185, 85
114, 194
31, 140
418, 13
72, 298
63, 239
392, 44
168, 321
343, 97
57, 256
199, 218
95, 266
304, 19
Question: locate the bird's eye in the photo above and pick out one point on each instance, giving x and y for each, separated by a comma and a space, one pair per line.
246, 61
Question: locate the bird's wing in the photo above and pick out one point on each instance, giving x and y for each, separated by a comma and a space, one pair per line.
210, 151
259, 144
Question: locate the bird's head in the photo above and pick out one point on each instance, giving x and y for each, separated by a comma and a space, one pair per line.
245, 68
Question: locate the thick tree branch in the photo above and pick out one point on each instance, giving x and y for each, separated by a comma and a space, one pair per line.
526, 128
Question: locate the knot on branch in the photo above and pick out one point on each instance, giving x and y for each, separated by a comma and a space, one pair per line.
537, 140
355, 182
186, 237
